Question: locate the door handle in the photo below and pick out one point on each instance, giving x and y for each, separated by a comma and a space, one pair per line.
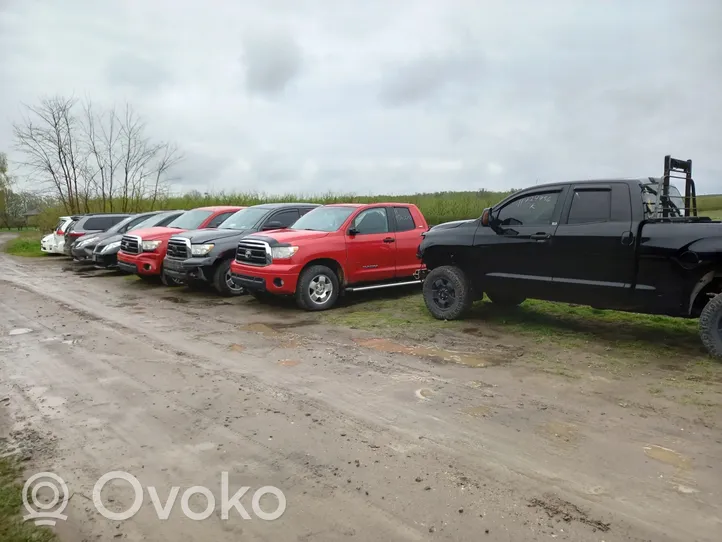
389, 240
540, 236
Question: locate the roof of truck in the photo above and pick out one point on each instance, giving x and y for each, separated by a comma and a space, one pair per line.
221, 208
281, 205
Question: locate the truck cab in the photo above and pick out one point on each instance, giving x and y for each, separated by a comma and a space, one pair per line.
142, 251
334, 248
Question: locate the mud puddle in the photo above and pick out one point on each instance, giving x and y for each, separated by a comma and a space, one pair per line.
434, 354
668, 456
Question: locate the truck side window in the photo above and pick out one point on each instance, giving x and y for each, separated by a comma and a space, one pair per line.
591, 205
218, 220
532, 210
404, 220
372, 221
286, 218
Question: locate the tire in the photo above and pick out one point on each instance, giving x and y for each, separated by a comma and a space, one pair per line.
317, 289
169, 281
222, 280
447, 293
710, 326
505, 300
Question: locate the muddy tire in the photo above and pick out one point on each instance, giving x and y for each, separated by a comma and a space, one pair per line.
447, 293
710, 326
169, 281
317, 289
505, 300
222, 281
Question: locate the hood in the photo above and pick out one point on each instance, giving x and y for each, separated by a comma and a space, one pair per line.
110, 239
453, 224
157, 232
289, 236
199, 237
96, 237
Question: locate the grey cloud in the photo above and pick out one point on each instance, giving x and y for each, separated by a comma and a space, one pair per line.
198, 169
270, 62
136, 71
413, 81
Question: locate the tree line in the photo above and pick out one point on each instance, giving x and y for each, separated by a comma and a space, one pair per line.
89, 158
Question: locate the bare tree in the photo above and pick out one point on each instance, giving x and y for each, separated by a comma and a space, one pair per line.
99, 159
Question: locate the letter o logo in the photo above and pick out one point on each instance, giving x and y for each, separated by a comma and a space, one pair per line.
256, 503
118, 475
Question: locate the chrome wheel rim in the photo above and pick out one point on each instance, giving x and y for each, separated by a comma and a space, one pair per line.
320, 289
231, 285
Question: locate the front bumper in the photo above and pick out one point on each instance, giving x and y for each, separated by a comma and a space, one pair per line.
147, 263
108, 259
82, 253
192, 268
278, 279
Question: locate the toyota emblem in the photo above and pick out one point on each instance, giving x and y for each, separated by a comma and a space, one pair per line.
248, 254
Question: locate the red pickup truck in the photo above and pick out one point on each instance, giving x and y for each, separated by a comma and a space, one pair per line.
142, 252
331, 249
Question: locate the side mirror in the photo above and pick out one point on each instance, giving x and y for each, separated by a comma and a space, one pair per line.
486, 217
274, 225
352, 232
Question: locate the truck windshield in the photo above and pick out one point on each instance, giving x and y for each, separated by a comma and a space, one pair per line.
652, 205
244, 219
324, 219
190, 220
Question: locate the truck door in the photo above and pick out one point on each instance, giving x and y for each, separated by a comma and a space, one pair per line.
515, 253
370, 247
593, 249
408, 237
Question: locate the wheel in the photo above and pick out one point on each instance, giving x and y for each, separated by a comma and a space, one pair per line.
447, 293
317, 288
710, 326
169, 281
222, 280
505, 300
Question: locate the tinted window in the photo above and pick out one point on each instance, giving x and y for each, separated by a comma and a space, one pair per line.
101, 222
404, 220
324, 218
133, 222
217, 220
531, 210
245, 219
190, 220
590, 206
286, 218
372, 221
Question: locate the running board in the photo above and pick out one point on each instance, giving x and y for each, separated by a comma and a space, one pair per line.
377, 286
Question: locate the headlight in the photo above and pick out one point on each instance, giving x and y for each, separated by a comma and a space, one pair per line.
201, 250
283, 253
150, 246
84, 242
111, 246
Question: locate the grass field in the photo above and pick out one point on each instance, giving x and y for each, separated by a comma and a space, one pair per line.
26, 244
12, 527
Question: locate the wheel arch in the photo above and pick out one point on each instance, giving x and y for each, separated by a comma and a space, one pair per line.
710, 281
331, 263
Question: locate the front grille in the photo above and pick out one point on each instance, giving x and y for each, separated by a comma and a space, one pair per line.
130, 244
178, 249
252, 252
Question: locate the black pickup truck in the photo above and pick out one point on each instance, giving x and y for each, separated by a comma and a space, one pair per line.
631, 245
205, 255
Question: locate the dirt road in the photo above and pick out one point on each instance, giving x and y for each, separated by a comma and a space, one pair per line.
367, 441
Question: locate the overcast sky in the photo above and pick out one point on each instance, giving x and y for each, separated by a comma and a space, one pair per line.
392, 96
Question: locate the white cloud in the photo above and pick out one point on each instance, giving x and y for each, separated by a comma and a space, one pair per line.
386, 97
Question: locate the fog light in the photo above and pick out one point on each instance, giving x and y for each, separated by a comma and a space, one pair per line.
146, 267
277, 282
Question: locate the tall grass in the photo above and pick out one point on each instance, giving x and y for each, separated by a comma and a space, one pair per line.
437, 207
